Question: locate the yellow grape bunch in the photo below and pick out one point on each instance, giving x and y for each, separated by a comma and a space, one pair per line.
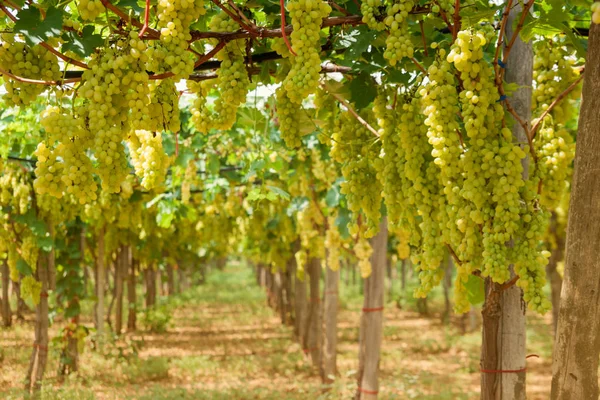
398, 43
373, 12
164, 106
307, 17
358, 151
148, 157
89, 10
232, 83
73, 140
29, 62
170, 53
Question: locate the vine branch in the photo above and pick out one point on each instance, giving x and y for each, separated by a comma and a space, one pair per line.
552, 105
351, 110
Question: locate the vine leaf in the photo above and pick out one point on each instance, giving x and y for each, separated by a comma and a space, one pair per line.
83, 45
34, 29
363, 90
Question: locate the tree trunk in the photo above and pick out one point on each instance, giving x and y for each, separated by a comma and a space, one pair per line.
159, 282
150, 275
131, 298
447, 285
371, 321
403, 273
314, 339
170, 280
558, 254
504, 337
577, 346
300, 307
330, 308
21, 305
183, 282
6, 313
290, 271
390, 270
39, 355
280, 284
100, 285
120, 273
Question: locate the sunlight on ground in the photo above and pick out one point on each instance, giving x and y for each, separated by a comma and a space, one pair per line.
224, 343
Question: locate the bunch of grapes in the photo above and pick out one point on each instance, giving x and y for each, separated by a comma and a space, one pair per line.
440, 106
115, 83
422, 191
553, 143
164, 107
48, 172
363, 252
31, 289
310, 220
188, 179
359, 153
333, 243
24, 61
15, 189
373, 14
89, 10
73, 142
289, 121
530, 256
170, 53
392, 174
398, 43
307, 17
148, 157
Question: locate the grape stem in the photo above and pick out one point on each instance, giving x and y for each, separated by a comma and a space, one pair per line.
351, 110
454, 255
242, 15
283, 27
46, 45
423, 39
236, 18
457, 24
152, 33
146, 19
37, 82
552, 105
339, 8
200, 61
418, 64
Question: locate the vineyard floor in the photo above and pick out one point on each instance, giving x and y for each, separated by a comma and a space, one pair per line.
225, 343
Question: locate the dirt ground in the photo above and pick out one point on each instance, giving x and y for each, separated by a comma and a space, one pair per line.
223, 342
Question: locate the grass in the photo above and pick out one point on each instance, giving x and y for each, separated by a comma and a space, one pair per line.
223, 342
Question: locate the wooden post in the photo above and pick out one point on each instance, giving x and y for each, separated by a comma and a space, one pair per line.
503, 333
577, 346
150, 275
371, 321
330, 308
100, 284
314, 342
300, 309
39, 355
447, 282
6, 313
120, 271
170, 280
558, 254
131, 297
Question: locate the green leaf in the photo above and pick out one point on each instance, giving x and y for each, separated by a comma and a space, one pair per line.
34, 29
133, 4
82, 44
279, 192
23, 267
475, 290
342, 221
213, 164
332, 199
363, 90
166, 213
45, 243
